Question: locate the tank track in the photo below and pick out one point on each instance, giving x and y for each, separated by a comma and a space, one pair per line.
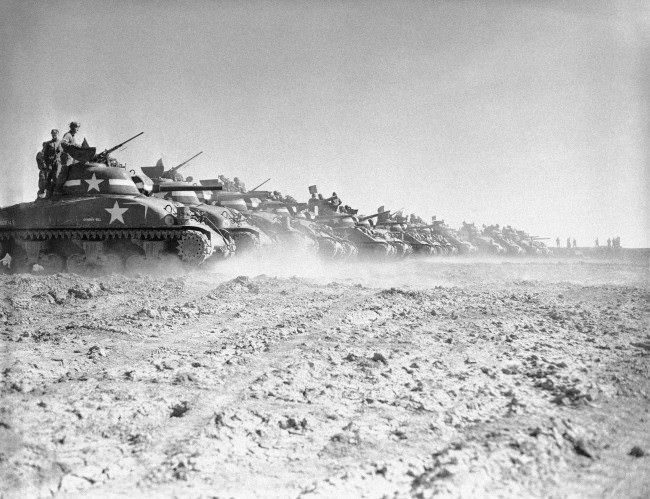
192, 245
93, 234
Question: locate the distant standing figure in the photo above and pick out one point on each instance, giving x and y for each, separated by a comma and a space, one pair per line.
568, 242
574, 243
557, 242
597, 245
609, 242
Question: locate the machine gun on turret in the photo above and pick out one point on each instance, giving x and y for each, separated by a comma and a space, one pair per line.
87, 154
158, 171
170, 173
102, 157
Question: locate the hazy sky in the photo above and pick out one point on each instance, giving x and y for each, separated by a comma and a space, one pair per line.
527, 113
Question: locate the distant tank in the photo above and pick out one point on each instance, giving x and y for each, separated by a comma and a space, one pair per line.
102, 223
508, 243
330, 245
449, 240
270, 217
468, 232
359, 234
231, 224
275, 218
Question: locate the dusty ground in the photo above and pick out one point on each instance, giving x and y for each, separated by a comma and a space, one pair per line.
412, 379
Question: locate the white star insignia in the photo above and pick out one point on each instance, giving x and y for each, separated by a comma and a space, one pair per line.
93, 183
116, 213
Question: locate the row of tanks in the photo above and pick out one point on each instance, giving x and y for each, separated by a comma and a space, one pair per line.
110, 219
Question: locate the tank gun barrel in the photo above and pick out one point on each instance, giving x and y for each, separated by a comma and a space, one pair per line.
368, 217
177, 167
240, 195
102, 156
258, 186
392, 222
184, 188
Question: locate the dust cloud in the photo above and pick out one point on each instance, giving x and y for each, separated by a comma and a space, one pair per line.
424, 273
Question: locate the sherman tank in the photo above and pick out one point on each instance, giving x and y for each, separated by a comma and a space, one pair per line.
275, 218
468, 232
102, 223
356, 232
231, 224
417, 240
503, 239
330, 245
360, 234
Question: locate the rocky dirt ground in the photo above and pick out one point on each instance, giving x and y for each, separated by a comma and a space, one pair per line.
414, 379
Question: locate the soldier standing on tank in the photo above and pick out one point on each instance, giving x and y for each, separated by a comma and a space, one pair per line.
65, 160
42, 176
313, 202
46, 160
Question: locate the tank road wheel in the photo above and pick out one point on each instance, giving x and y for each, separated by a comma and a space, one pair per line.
194, 247
351, 251
327, 248
391, 251
245, 242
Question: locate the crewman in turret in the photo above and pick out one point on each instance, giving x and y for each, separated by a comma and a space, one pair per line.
313, 202
239, 185
71, 135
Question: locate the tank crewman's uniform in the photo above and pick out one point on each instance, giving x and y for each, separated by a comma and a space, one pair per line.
51, 152
65, 160
43, 175
238, 185
312, 202
47, 160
